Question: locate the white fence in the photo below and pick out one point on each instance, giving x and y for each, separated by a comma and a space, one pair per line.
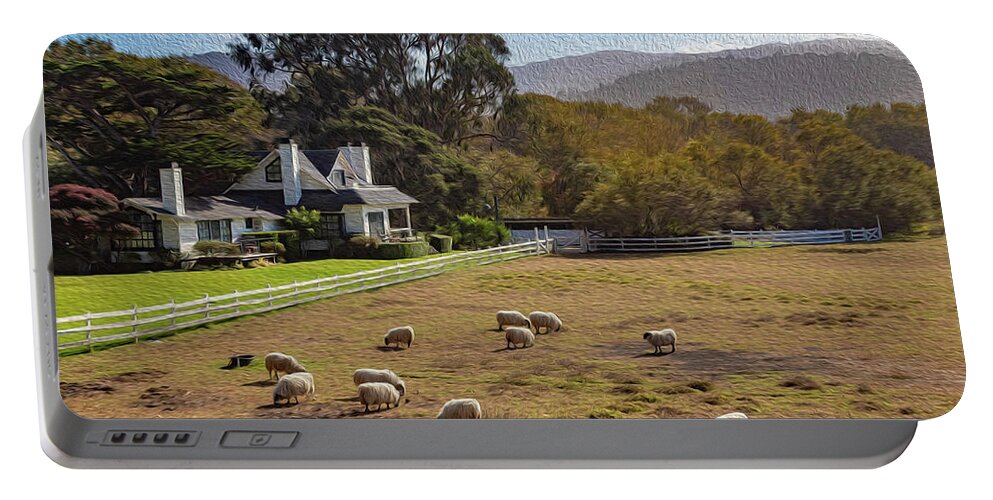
732, 239
93, 328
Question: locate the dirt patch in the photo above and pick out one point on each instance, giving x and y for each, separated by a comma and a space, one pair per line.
826, 318
71, 389
846, 251
136, 377
161, 397
800, 382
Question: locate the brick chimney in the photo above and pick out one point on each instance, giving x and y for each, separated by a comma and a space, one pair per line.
358, 158
289, 163
171, 185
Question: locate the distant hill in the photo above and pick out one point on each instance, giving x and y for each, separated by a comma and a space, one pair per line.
773, 85
768, 79
565, 76
223, 64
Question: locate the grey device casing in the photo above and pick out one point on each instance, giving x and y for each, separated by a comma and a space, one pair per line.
78, 442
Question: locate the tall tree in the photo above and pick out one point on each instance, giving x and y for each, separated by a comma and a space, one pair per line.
453, 85
115, 118
900, 127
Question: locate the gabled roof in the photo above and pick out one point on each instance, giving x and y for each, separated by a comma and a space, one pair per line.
325, 201
317, 162
268, 204
211, 207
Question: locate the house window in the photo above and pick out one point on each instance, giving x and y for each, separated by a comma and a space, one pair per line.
274, 172
214, 230
338, 178
253, 224
149, 233
331, 226
377, 224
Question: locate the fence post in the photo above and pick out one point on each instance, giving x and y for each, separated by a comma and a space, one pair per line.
237, 308
546, 240
269, 287
134, 319
172, 315
89, 333
206, 305
879, 229
584, 240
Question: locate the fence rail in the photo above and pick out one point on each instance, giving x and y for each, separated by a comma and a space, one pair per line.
731, 239
85, 330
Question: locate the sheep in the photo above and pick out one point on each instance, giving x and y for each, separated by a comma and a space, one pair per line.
293, 385
550, 321
733, 415
276, 362
363, 375
399, 335
511, 318
378, 394
461, 408
517, 335
659, 338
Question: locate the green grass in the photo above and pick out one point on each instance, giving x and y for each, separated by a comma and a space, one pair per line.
112, 292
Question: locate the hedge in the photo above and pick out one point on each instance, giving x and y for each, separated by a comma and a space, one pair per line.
442, 243
403, 250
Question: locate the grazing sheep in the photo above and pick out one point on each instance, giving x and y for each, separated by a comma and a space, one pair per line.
378, 394
399, 335
548, 320
659, 338
461, 408
276, 362
363, 375
512, 318
733, 415
517, 335
293, 385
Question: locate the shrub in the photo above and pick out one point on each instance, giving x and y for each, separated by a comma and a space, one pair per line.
215, 247
363, 247
289, 239
273, 247
469, 232
441, 242
403, 250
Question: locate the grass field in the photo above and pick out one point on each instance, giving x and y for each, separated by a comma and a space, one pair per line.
113, 292
867, 330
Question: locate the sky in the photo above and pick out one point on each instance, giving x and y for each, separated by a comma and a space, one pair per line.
525, 48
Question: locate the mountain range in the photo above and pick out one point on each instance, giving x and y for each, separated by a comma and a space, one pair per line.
768, 80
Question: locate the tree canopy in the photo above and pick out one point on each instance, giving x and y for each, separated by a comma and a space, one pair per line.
114, 119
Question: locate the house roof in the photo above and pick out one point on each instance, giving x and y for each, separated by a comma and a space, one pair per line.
210, 207
269, 204
325, 201
322, 160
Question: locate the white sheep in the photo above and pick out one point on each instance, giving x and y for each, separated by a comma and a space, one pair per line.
733, 415
512, 318
517, 335
276, 362
461, 408
659, 338
363, 375
548, 320
293, 385
399, 335
378, 394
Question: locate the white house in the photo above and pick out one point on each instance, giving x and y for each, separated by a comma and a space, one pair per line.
337, 182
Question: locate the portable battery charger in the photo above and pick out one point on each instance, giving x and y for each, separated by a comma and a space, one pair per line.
481, 250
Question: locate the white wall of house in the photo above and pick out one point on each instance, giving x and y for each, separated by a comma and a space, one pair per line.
357, 217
